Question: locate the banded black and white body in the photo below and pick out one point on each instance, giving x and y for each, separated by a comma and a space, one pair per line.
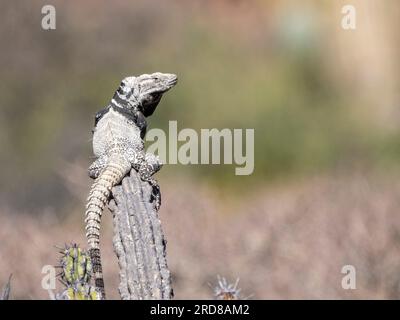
118, 147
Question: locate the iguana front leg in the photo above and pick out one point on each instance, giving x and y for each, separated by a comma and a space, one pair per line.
151, 165
147, 164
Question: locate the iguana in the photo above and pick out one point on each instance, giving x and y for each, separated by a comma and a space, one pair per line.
118, 147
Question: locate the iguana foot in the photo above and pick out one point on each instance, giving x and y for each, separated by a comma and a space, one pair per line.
97, 166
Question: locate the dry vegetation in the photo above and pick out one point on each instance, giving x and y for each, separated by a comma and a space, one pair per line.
283, 242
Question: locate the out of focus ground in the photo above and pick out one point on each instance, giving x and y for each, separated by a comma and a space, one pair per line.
290, 241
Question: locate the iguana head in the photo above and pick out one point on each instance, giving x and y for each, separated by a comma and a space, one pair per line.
144, 92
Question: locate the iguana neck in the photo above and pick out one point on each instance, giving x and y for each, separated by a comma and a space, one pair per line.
119, 102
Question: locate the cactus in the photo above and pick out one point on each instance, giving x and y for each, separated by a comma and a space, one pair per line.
226, 291
76, 275
79, 292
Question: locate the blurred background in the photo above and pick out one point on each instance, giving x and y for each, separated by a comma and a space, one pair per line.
324, 103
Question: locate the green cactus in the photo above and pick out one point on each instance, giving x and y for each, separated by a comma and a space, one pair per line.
76, 275
76, 265
80, 292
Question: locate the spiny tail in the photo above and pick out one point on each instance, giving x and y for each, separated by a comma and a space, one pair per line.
112, 174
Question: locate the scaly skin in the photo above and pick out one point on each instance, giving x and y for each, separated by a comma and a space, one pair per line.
118, 147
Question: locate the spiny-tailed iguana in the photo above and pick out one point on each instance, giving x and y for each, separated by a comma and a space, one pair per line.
118, 147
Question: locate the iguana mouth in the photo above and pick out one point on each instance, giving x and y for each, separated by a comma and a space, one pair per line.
173, 81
